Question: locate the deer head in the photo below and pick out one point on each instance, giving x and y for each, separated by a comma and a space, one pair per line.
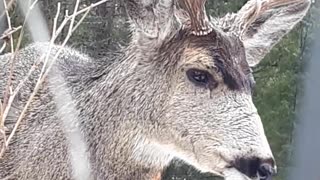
208, 118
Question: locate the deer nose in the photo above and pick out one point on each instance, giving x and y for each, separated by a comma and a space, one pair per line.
256, 167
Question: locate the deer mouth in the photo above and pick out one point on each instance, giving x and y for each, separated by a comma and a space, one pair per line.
250, 168
232, 173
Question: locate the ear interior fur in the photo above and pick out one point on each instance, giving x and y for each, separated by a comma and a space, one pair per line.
261, 24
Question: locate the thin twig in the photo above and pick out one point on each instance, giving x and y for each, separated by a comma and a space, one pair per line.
9, 24
6, 107
73, 17
7, 93
84, 10
8, 7
3, 46
17, 89
43, 76
91, 6
24, 24
81, 20
39, 81
13, 94
55, 21
22, 114
33, 4
9, 33
4, 147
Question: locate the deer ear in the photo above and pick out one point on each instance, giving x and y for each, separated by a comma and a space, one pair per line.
262, 23
151, 18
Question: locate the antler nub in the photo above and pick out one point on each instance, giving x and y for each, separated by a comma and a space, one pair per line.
200, 24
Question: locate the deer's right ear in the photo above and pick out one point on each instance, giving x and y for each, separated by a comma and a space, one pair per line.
151, 18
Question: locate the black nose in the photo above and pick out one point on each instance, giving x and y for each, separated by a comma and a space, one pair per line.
253, 167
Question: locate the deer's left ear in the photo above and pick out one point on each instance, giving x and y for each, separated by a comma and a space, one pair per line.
150, 18
262, 23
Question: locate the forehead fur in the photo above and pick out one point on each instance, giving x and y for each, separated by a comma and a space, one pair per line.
219, 50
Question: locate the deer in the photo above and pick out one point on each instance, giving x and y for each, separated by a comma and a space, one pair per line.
181, 89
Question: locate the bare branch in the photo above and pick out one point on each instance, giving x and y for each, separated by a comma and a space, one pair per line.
8, 6
39, 81
8, 86
24, 24
9, 24
8, 33
3, 47
9, 95
84, 10
45, 70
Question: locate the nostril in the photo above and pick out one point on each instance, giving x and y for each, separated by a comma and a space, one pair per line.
253, 167
266, 171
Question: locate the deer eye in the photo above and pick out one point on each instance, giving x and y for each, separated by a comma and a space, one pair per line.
199, 77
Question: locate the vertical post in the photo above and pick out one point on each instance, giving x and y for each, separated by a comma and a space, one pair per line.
35, 21
306, 164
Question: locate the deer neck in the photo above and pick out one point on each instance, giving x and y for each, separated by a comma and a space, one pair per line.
120, 106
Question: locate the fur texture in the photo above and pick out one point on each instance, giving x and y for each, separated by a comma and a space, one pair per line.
130, 118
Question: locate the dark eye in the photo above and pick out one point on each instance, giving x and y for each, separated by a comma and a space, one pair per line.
199, 77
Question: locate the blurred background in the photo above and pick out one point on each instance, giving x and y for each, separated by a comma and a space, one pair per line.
279, 76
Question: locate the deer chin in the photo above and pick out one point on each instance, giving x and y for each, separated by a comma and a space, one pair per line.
222, 168
234, 174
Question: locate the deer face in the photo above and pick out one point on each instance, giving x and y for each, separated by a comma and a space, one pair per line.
211, 112
210, 120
